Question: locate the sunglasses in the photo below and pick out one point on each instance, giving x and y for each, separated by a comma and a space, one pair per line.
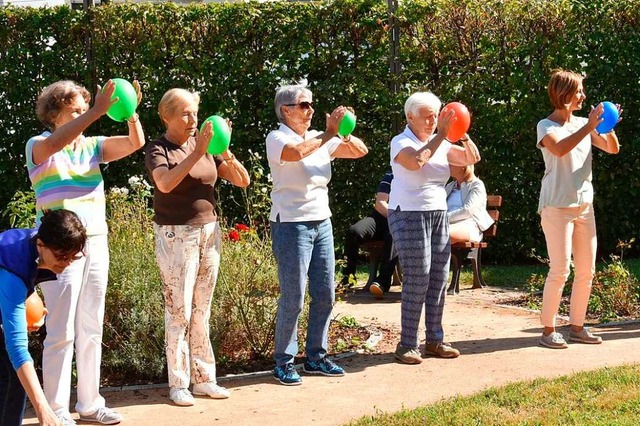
303, 105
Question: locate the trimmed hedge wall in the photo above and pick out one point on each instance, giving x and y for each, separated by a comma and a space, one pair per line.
495, 56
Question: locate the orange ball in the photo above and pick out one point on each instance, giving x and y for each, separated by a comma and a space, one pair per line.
462, 120
35, 309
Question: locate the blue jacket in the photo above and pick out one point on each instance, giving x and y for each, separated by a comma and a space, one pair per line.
18, 255
19, 274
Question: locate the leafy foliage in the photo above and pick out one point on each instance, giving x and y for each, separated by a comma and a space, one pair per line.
494, 56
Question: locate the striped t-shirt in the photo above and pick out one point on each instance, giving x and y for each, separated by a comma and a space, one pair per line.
71, 179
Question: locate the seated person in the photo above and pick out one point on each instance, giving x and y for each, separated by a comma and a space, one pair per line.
466, 205
372, 228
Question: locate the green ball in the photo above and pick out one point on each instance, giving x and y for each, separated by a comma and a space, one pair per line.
127, 100
219, 142
347, 124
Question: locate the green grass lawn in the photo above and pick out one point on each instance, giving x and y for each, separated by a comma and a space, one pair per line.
610, 396
508, 276
516, 276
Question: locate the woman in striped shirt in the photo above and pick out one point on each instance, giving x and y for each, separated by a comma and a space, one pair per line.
64, 168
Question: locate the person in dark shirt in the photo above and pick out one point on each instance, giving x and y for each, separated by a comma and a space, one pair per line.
372, 228
188, 240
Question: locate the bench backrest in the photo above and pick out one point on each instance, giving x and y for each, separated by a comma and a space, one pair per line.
494, 202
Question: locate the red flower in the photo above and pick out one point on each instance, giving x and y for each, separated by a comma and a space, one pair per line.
242, 227
234, 235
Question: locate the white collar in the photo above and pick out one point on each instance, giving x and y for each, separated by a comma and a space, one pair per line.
409, 133
288, 131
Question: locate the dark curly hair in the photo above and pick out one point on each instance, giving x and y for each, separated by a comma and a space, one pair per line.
62, 231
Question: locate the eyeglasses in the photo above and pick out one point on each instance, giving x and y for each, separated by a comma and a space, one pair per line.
67, 257
303, 105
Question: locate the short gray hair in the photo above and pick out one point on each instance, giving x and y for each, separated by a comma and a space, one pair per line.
421, 100
289, 94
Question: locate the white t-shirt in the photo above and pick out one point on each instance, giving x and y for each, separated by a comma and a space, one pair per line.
567, 180
300, 192
423, 189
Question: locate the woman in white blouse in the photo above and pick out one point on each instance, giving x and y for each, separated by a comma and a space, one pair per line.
300, 161
466, 205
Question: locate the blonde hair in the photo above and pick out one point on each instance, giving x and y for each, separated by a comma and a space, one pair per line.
172, 99
467, 170
55, 97
562, 86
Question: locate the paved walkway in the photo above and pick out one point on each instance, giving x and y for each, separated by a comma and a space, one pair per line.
498, 345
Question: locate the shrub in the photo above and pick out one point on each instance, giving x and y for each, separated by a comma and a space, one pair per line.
615, 292
493, 55
21, 210
134, 316
244, 304
246, 300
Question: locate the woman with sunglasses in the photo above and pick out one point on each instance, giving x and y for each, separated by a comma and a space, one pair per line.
188, 240
64, 168
301, 232
27, 257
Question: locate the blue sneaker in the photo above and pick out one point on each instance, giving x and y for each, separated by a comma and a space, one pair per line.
287, 375
325, 366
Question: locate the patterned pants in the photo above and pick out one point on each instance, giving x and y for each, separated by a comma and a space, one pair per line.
422, 242
188, 258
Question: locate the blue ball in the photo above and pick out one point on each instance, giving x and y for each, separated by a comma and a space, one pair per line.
609, 116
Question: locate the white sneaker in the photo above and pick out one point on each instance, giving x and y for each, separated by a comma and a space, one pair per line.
554, 341
104, 416
181, 397
65, 419
210, 389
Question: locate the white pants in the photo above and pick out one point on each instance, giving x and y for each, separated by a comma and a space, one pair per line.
188, 258
76, 314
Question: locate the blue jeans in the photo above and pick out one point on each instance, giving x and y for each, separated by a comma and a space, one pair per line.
303, 249
13, 398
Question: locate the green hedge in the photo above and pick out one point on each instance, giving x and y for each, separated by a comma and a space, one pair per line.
494, 56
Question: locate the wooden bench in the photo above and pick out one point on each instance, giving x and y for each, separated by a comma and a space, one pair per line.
374, 251
473, 251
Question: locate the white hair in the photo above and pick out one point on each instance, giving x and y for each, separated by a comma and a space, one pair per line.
420, 100
289, 94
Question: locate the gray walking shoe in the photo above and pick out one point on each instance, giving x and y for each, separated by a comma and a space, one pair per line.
584, 336
407, 355
554, 341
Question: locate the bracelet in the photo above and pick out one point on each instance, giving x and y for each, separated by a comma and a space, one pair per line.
133, 119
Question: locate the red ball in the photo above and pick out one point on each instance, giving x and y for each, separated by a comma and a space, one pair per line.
461, 123
35, 309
